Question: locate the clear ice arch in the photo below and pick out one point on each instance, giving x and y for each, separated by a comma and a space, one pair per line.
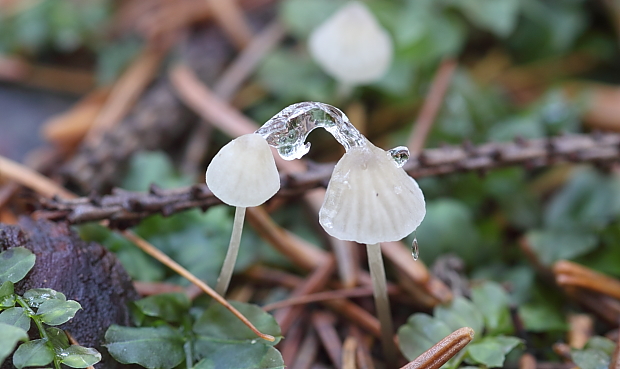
287, 131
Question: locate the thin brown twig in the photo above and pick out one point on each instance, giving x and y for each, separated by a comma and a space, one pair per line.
126, 92
568, 273
430, 108
443, 351
125, 208
321, 296
230, 17
323, 323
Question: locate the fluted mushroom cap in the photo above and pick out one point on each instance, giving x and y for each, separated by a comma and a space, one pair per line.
369, 199
352, 46
243, 173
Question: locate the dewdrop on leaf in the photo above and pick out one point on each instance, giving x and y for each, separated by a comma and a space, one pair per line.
244, 173
351, 46
370, 199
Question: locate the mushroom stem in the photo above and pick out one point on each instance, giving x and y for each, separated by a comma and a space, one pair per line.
231, 255
382, 304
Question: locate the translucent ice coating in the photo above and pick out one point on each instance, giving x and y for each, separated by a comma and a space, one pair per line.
371, 200
287, 130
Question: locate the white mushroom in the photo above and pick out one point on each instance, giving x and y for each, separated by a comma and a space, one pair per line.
242, 174
370, 199
352, 46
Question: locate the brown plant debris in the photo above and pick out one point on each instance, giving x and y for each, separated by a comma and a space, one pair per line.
125, 209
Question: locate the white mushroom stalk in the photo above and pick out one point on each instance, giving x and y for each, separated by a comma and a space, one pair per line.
242, 174
352, 47
369, 199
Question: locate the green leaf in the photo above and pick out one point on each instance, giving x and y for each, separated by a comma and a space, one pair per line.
602, 344
58, 338
460, 313
591, 359
497, 16
420, 333
33, 353
9, 338
540, 317
492, 351
552, 245
303, 16
160, 347
79, 357
156, 167
36, 296
172, 307
493, 301
228, 343
16, 316
56, 312
15, 263
7, 298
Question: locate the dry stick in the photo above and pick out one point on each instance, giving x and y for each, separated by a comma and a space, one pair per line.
355, 314
126, 92
160, 256
231, 19
231, 254
46, 187
600, 148
289, 346
212, 109
349, 353
581, 328
156, 288
572, 274
7, 191
323, 323
527, 361
382, 302
244, 65
315, 282
307, 352
444, 350
428, 113
320, 297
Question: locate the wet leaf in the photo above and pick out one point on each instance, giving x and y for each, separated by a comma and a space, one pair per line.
499, 17
491, 351
591, 359
552, 245
9, 338
7, 298
33, 353
493, 302
539, 317
79, 357
17, 317
172, 307
56, 312
36, 296
420, 333
15, 263
228, 343
160, 347
460, 313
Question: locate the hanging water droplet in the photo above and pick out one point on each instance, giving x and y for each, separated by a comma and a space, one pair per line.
415, 252
400, 155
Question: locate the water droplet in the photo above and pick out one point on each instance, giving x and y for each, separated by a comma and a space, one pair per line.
415, 252
400, 155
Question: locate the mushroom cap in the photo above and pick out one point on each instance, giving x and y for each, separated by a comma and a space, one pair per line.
369, 199
243, 173
352, 46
